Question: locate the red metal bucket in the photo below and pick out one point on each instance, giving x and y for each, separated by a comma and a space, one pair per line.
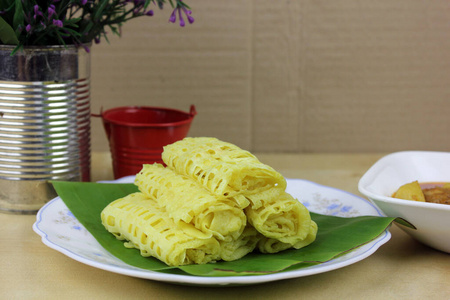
137, 134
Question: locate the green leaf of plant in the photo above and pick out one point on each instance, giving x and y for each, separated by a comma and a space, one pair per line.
7, 34
336, 236
99, 10
6, 4
18, 21
87, 27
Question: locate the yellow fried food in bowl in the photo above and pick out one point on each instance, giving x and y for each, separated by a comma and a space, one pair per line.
437, 194
410, 191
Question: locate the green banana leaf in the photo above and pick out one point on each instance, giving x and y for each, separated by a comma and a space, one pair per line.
7, 34
336, 235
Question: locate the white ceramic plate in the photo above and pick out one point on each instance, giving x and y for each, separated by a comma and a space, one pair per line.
61, 231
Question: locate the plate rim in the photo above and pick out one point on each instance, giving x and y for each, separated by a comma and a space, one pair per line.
331, 265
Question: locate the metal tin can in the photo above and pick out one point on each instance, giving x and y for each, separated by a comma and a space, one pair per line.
44, 123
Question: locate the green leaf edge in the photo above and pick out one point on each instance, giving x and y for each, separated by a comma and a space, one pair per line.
212, 269
7, 34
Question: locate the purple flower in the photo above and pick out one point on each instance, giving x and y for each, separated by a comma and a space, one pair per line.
138, 7
181, 18
37, 12
86, 48
57, 23
51, 11
188, 15
173, 16
59, 19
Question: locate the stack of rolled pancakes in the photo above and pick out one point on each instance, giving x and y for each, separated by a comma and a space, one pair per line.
213, 201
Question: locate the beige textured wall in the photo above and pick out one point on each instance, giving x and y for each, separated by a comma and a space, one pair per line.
290, 76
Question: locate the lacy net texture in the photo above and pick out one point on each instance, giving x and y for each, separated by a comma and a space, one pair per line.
222, 168
213, 201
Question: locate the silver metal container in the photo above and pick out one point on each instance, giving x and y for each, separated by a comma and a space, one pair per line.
44, 123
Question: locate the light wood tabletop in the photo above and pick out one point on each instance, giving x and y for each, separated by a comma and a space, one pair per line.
400, 269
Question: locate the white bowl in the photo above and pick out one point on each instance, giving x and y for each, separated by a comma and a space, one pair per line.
432, 220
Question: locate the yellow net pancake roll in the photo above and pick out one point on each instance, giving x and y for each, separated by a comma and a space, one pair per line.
268, 245
146, 226
238, 248
222, 168
278, 215
186, 200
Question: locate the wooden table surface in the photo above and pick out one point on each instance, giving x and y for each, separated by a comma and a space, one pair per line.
400, 269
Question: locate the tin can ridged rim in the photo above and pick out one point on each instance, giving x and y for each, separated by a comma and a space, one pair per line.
47, 47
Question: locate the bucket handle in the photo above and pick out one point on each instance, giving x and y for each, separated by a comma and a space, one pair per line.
192, 111
106, 125
98, 115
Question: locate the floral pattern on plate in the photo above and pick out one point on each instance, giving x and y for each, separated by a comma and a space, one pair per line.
61, 231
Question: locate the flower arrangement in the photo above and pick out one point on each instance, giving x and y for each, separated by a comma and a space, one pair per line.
76, 22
